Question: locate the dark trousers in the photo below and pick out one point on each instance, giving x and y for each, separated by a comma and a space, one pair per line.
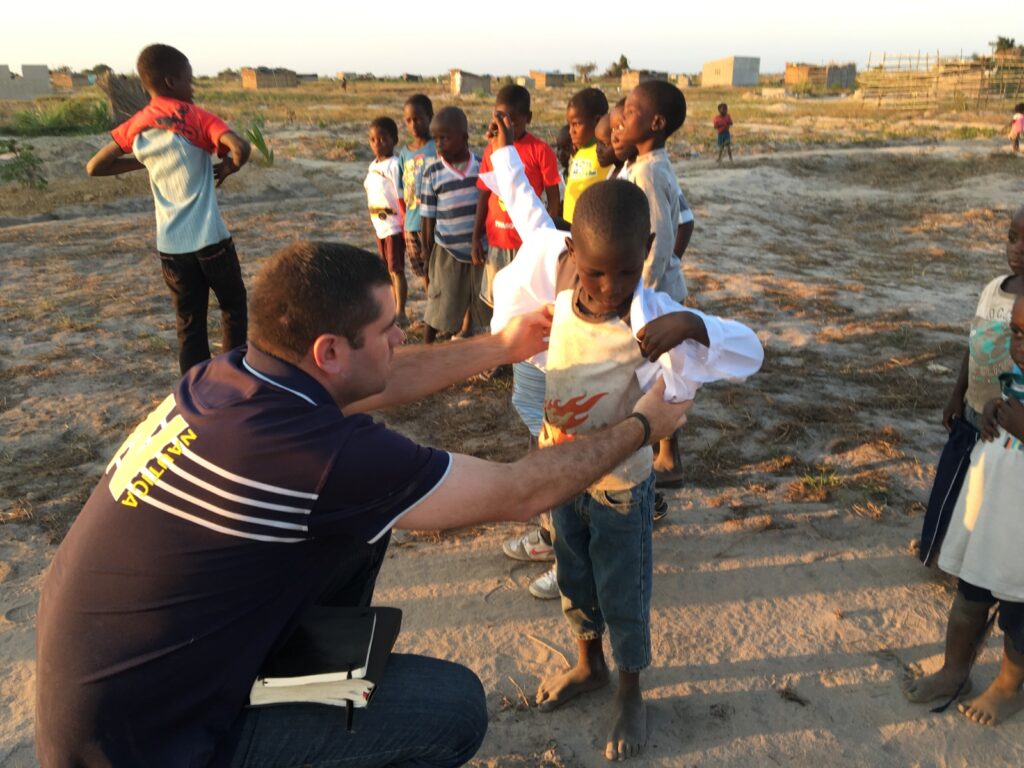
191, 276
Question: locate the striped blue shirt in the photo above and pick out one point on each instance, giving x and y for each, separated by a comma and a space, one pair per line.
449, 197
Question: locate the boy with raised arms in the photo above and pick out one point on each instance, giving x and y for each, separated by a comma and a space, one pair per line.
611, 338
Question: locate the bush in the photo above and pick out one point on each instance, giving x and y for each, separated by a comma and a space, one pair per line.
24, 168
60, 119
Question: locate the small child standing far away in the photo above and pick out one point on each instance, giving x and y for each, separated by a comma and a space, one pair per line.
417, 112
1017, 126
982, 549
982, 543
611, 338
584, 110
653, 111
723, 124
387, 209
174, 140
448, 196
492, 220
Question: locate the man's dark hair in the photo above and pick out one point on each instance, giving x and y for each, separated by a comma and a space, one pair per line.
515, 97
387, 125
307, 289
590, 102
668, 101
421, 101
157, 62
613, 211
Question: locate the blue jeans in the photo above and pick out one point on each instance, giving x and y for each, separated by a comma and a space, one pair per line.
603, 553
426, 712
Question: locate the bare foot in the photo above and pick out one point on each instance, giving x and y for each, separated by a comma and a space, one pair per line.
940, 685
558, 689
628, 735
994, 705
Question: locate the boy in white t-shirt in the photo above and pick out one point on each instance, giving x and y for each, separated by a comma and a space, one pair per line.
611, 339
387, 208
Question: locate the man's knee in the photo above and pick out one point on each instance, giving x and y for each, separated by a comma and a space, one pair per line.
464, 702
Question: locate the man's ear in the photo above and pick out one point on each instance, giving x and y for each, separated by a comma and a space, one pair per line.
571, 248
331, 353
650, 242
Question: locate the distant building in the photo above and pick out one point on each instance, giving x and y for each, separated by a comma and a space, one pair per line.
33, 81
731, 71
527, 82
69, 81
463, 83
825, 77
265, 77
544, 80
682, 81
631, 78
307, 78
409, 78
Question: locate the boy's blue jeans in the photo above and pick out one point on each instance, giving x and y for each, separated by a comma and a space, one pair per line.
603, 553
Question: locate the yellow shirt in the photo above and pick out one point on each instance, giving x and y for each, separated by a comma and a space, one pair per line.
584, 170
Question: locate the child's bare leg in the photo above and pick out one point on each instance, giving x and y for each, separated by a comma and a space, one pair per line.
1003, 698
628, 735
467, 323
967, 621
429, 334
589, 674
401, 290
729, 147
668, 463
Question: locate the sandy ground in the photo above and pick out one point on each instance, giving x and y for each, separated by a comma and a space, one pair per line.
788, 605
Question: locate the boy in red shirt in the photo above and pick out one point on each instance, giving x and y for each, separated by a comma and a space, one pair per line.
175, 140
541, 169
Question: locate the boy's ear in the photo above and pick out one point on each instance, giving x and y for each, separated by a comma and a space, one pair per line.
572, 248
658, 123
529, 117
650, 242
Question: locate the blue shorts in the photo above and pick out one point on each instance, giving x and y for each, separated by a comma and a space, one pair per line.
724, 139
603, 553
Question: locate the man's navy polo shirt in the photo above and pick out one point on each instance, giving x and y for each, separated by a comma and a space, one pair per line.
215, 524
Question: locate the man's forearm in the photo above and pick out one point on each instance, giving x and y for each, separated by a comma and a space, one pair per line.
418, 371
543, 479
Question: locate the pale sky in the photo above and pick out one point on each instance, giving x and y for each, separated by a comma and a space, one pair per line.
496, 38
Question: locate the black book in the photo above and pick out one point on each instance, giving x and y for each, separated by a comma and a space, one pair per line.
335, 656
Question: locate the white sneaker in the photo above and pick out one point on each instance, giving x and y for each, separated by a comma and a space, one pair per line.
545, 587
529, 546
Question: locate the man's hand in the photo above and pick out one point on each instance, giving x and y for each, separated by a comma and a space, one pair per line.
665, 418
526, 335
224, 169
954, 409
1011, 417
989, 419
501, 131
477, 255
669, 331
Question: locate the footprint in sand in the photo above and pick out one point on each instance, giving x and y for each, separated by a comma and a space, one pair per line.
22, 613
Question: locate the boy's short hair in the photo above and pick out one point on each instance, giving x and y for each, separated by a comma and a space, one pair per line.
157, 62
612, 211
310, 288
452, 116
515, 97
590, 102
384, 123
668, 101
1019, 107
421, 101
722, 104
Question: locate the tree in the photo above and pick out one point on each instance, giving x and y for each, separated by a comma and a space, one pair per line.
617, 68
99, 69
584, 71
1001, 44
228, 74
